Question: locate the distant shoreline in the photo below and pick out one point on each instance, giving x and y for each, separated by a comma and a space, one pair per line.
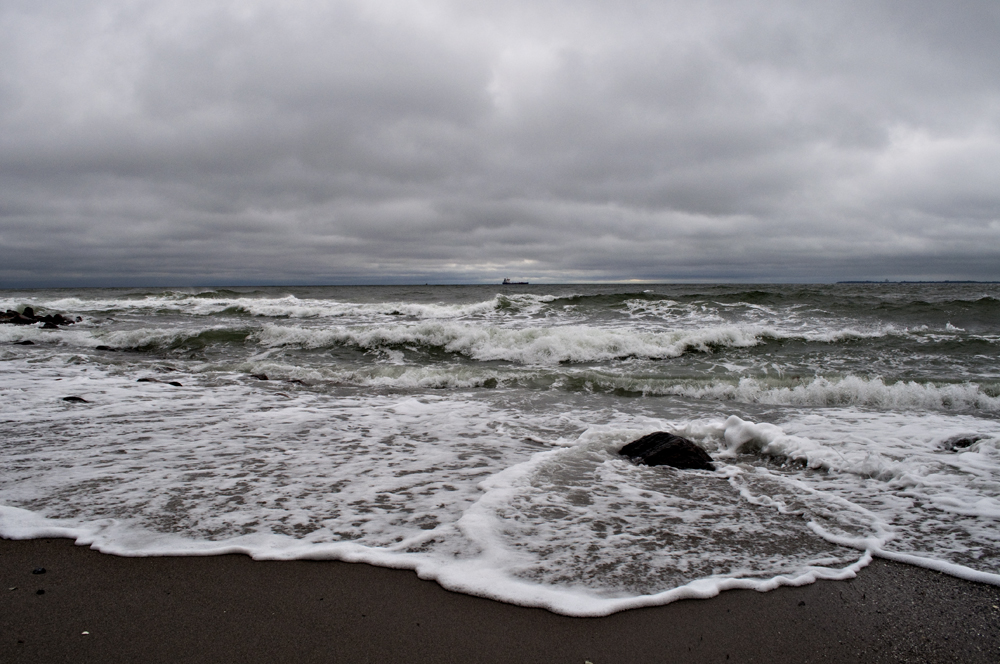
870, 281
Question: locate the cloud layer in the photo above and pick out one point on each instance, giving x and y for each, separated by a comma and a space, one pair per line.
384, 141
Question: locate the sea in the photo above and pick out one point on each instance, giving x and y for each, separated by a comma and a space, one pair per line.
472, 433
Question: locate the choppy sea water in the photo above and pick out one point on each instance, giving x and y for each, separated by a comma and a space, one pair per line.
471, 433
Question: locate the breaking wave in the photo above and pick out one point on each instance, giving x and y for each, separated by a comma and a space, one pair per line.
541, 345
846, 391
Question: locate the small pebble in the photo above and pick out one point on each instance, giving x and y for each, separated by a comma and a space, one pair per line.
38, 570
39, 592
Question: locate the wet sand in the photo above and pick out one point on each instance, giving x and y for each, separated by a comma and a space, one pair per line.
234, 609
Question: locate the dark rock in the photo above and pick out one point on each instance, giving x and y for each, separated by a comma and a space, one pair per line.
295, 381
56, 319
105, 348
961, 441
26, 342
28, 317
52, 322
38, 570
75, 399
39, 592
259, 376
19, 319
154, 380
666, 449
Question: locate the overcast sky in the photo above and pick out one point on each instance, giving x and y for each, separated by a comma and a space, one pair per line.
202, 142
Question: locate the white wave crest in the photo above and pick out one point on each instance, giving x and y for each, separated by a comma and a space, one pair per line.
289, 306
847, 391
533, 346
155, 337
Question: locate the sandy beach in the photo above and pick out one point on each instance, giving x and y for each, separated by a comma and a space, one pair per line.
97, 607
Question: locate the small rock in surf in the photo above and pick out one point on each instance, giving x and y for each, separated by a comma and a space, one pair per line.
666, 449
75, 399
961, 441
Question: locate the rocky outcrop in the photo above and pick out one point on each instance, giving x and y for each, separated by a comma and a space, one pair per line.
666, 449
12, 317
27, 317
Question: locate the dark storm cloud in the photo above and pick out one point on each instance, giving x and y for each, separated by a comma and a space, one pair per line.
383, 141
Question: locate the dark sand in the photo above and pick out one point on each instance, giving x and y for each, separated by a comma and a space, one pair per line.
233, 609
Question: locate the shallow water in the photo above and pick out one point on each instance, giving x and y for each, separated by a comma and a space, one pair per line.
471, 433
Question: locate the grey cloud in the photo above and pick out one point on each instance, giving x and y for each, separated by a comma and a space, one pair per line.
207, 142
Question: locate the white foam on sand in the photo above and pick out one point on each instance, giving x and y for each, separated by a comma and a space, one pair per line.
533, 507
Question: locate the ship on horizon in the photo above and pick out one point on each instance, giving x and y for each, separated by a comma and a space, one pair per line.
508, 282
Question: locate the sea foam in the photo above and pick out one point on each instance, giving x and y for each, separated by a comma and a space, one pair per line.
458, 489
472, 434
